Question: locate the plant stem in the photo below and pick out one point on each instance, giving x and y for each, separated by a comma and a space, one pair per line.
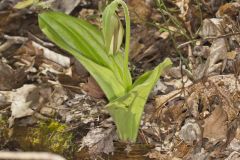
127, 43
161, 3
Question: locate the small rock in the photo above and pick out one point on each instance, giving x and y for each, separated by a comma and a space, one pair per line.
235, 145
190, 132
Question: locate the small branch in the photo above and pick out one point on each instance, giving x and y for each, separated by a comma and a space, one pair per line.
38, 40
29, 156
53, 56
208, 38
223, 36
11, 40
186, 43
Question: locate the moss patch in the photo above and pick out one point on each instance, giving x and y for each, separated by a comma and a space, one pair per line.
46, 136
53, 135
3, 131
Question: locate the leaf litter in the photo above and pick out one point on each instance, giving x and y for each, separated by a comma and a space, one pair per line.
193, 112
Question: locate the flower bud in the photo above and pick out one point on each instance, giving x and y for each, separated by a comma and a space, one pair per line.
117, 35
112, 29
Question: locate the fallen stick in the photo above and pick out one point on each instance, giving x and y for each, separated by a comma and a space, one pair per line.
11, 40
29, 156
53, 56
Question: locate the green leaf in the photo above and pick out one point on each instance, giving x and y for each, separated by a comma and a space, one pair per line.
74, 34
85, 42
113, 34
111, 28
109, 83
25, 3
113, 37
88, 44
117, 35
127, 110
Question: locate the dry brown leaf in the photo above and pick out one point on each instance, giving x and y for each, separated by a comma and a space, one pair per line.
178, 83
93, 89
88, 13
212, 5
147, 45
173, 72
66, 6
217, 52
138, 44
56, 97
140, 11
233, 156
232, 55
11, 21
238, 133
173, 112
183, 5
181, 150
201, 155
234, 145
23, 99
9, 78
193, 104
99, 140
78, 70
161, 100
5, 98
215, 126
157, 155
201, 51
5, 18
230, 9
211, 27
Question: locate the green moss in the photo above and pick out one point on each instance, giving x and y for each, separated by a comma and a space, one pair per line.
3, 131
49, 136
52, 136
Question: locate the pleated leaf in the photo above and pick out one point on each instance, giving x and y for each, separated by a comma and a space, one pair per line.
85, 42
112, 28
127, 110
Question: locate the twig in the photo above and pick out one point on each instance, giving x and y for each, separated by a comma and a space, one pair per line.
177, 23
143, 137
223, 95
170, 32
233, 154
38, 40
10, 41
223, 36
29, 156
53, 56
187, 43
208, 38
65, 85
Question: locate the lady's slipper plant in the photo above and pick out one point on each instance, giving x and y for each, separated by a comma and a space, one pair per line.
99, 52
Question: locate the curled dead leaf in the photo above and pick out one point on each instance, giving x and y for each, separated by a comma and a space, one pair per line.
140, 11
23, 99
10, 78
66, 6
93, 89
215, 126
99, 140
230, 9
183, 5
